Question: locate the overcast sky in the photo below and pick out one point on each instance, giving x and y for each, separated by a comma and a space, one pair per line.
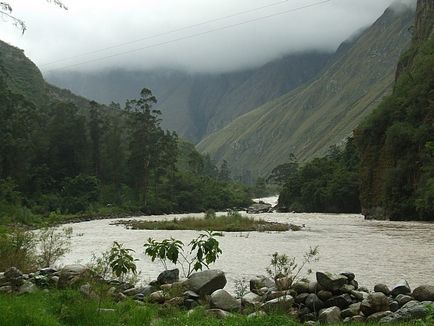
54, 34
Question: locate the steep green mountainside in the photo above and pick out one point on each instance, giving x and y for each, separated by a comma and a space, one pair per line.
396, 142
311, 118
195, 105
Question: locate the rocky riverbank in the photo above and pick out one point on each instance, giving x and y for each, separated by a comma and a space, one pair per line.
331, 298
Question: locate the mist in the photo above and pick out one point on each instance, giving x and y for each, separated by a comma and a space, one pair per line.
57, 39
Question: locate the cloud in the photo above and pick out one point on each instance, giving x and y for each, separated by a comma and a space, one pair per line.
237, 42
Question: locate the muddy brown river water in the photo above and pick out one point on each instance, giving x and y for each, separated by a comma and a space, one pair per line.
376, 251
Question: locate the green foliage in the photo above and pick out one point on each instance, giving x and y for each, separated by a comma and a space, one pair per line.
52, 245
17, 249
201, 252
283, 266
396, 140
121, 261
329, 184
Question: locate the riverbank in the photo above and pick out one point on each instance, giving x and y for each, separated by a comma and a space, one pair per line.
70, 296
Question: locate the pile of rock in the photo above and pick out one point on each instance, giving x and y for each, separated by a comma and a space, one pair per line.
331, 298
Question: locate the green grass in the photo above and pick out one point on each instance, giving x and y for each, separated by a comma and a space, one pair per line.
70, 307
230, 223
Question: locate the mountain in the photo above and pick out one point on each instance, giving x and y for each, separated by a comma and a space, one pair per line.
396, 142
195, 105
308, 120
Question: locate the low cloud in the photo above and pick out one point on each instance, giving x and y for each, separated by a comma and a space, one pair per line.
237, 42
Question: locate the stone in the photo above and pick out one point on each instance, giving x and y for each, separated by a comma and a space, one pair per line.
256, 314
394, 306
314, 287
402, 299
359, 295
376, 302
6, 289
346, 288
47, 271
355, 284
324, 295
260, 282
410, 311
349, 275
175, 302
169, 276
424, 293
14, 276
301, 287
147, 290
355, 308
346, 313
383, 288
166, 287
86, 289
330, 315
358, 319
133, 291
221, 299
251, 300
259, 208
70, 274
310, 323
206, 282
341, 301
218, 313
401, 287
375, 317
282, 304
191, 295
314, 303
301, 298
276, 294
157, 297
283, 283
331, 282
106, 310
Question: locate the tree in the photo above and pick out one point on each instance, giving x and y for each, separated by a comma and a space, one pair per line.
225, 172
6, 12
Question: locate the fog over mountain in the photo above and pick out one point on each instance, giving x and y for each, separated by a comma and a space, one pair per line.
252, 33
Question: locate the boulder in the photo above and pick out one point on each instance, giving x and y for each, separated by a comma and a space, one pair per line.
383, 288
410, 311
314, 303
218, 313
301, 287
70, 274
376, 302
47, 271
324, 295
301, 298
206, 282
314, 287
402, 299
375, 317
14, 276
259, 208
260, 282
157, 297
221, 299
175, 302
330, 315
251, 300
359, 295
169, 276
282, 304
331, 282
191, 295
424, 293
401, 287
283, 283
6, 289
349, 275
341, 301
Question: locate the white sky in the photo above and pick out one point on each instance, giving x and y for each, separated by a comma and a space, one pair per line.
54, 34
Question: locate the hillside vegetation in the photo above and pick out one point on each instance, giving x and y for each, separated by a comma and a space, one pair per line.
311, 118
397, 140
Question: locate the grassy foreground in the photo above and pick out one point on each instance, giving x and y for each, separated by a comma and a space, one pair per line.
70, 307
229, 223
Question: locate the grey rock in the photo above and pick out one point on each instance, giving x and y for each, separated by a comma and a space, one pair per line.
282, 304
190, 303
355, 284
324, 295
363, 289
394, 306
259, 208
301, 298
283, 283
401, 287
260, 282
314, 303
257, 314
147, 290
346, 313
314, 287
6, 289
301, 287
341, 301
169, 276
206, 282
359, 295
157, 297
410, 311
310, 323
383, 288
402, 299
424, 293
251, 300
47, 271
276, 294
349, 275
376, 302
375, 317
358, 319
133, 291
218, 313
191, 295
355, 308
70, 274
221, 299
12, 273
330, 315
331, 282
346, 288
175, 302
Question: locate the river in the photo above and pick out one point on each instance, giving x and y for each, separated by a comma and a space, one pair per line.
376, 251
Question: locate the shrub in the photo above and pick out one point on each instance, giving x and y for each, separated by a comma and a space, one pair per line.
53, 244
17, 249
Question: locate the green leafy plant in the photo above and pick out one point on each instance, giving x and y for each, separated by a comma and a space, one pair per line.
241, 288
204, 250
17, 249
121, 261
283, 266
